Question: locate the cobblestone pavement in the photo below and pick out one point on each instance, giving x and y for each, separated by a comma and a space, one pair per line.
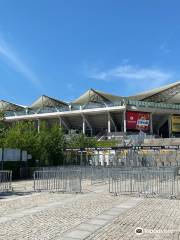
159, 219
44, 216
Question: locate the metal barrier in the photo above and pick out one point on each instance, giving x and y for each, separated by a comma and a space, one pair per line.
86, 171
148, 182
5, 181
100, 174
62, 180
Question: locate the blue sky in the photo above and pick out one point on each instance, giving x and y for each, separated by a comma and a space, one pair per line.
61, 48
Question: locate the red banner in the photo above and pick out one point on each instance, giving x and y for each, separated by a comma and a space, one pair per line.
138, 121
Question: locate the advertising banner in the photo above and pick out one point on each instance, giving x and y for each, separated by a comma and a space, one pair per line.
138, 121
175, 120
11, 154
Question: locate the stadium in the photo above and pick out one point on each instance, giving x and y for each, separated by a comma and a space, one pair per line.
144, 128
95, 113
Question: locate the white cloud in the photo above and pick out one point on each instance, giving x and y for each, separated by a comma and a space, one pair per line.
11, 58
130, 74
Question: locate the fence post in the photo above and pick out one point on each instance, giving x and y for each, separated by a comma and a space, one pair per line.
131, 182
34, 180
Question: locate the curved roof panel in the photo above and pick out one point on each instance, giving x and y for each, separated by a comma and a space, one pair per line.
8, 106
169, 93
95, 96
45, 101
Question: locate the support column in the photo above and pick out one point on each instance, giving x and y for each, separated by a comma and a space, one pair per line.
109, 124
170, 125
112, 121
88, 123
38, 125
124, 121
63, 123
84, 126
151, 124
60, 122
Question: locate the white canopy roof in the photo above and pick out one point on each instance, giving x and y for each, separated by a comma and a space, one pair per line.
45, 101
95, 96
8, 106
169, 93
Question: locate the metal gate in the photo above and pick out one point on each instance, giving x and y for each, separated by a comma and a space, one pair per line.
62, 180
5, 181
99, 174
162, 183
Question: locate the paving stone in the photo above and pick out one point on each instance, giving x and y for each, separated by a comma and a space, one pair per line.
77, 234
105, 216
100, 222
88, 227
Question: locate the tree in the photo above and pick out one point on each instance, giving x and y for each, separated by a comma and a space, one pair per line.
22, 135
3, 128
81, 141
51, 144
47, 146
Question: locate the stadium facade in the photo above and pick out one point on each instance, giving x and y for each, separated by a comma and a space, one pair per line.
95, 113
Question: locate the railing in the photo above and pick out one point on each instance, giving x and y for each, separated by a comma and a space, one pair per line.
57, 109
5, 181
62, 180
148, 182
153, 104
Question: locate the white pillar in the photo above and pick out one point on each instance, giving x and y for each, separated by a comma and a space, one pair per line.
60, 122
38, 125
170, 125
109, 124
124, 121
84, 125
151, 124
91, 132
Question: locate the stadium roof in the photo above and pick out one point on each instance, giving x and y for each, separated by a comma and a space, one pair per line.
7, 106
166, 94
169, 93
95, 96
45, 101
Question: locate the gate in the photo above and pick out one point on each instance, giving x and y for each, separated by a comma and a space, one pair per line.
5, 181
62, 180
150, 182
99, 174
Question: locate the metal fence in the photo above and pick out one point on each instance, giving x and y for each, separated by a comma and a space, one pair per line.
92, 173
99, 174
86, 171
5, 181
149, 182
62, 180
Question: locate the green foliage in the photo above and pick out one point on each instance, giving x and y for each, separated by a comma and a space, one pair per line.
51, 143
81, 141
22, 135
3, 128
107, 143
48, 145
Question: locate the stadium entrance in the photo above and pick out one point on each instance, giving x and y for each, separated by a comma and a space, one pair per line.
161, 125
